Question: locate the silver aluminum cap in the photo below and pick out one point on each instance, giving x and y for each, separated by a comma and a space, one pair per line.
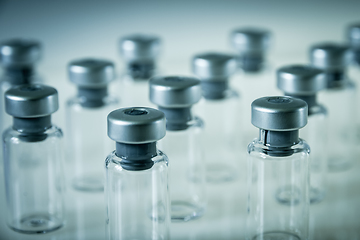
279, 113
19, 52
213, 66
91, 73
140, 47
174, 91
329, 56
31, 101
300, 79
250, 40
353, 35
136, 125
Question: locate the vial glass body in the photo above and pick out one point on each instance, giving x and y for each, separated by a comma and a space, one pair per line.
88, 142
137, 202
278, 192
187, 171
354, 74
341, 105
315, 133
34, 180
221, 136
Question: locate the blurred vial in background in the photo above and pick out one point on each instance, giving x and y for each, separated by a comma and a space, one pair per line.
353, 39
33, 160
86, 121
278, 163
220, 109
256, 76
303, 82
175, 96
340, 100
136, 189
17, 58
140, 53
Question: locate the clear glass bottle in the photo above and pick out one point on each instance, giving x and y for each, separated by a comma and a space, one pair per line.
136, 189
353, 39
17, 58
255, 77
278, 177
140, 53
175, 96
220, 109
339, 98
303, 82
33, 161
87, 143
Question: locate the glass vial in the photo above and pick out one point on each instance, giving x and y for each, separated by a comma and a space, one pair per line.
33, 160
175, 96
220, 109
353, 39
278, 177
339, 98
140, 53
303, 82
255, 76
136, 189
17, 58
86, 121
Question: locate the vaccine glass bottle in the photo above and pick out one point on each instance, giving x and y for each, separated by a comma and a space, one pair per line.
175, 96
304, 82
86, 121
136, 189
278, 178
339, 98
221, 110
33, 160
140, 53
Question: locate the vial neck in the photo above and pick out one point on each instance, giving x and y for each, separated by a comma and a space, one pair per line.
335, 78
141, 70
214, 90
32, 129
279, 143
309, 99
251, 62
19, 75
136, 157
177, 118
92, 97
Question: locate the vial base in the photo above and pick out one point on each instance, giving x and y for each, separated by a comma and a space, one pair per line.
276, 235
217, 173
89, 184
288, 195
36, 224
316, 195
182, 211
338, 164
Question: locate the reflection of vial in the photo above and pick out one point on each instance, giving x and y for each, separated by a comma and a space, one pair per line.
220, 110
339, 99
140, 53
303, 82
278, 201
17, 58
256, 77
86, 121
136, 188
175, 96
33, 160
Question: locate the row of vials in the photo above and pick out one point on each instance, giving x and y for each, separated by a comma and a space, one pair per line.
145, 188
